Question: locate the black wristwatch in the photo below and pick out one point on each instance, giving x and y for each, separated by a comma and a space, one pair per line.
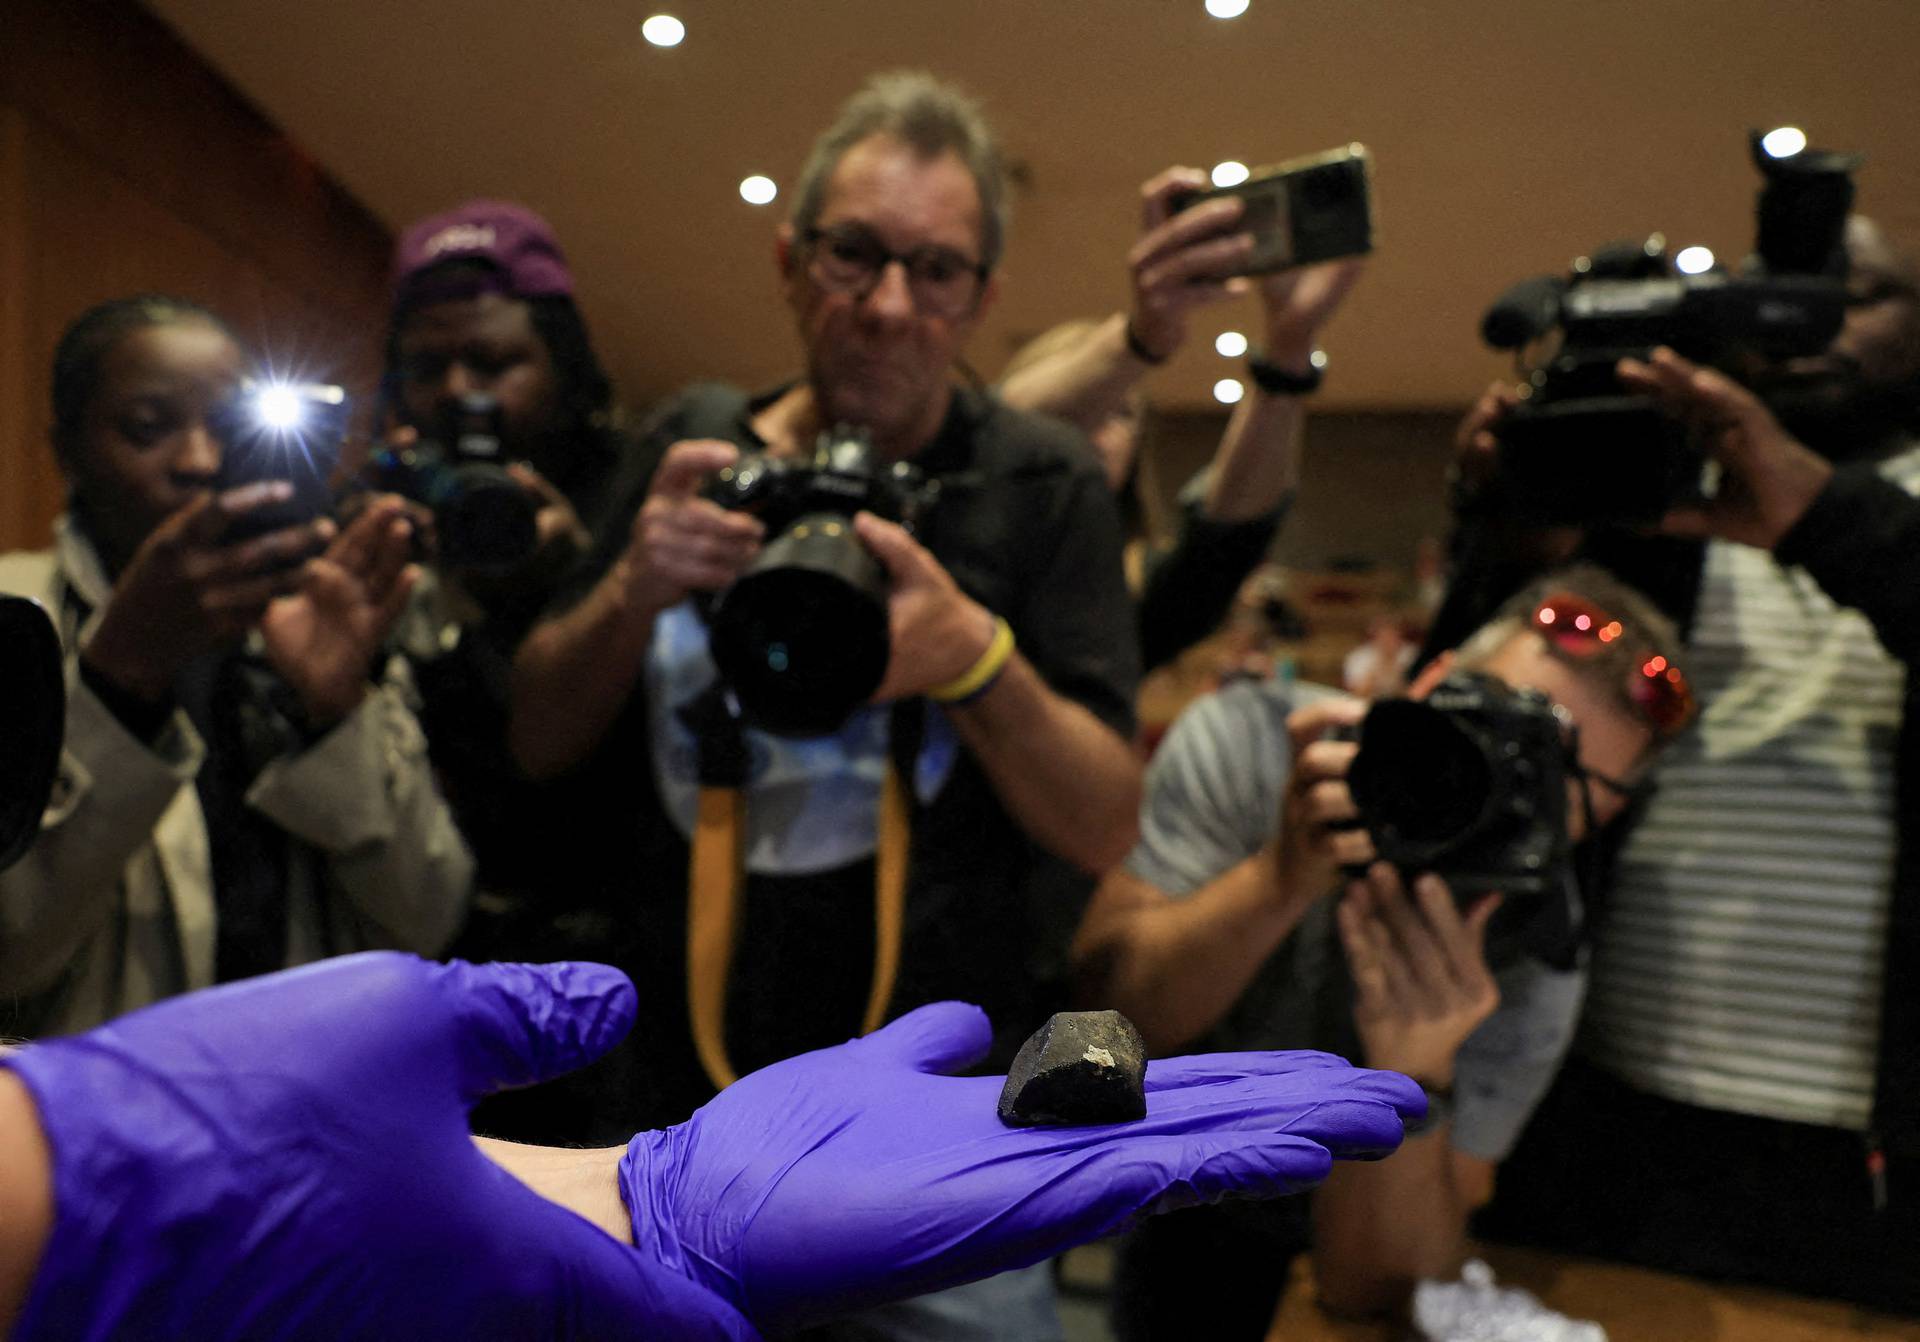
1439, 1109
1277, 381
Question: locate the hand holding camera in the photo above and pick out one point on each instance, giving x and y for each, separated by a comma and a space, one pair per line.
1184, 260
1419, 965
1297, 303
323, 638
190, 589
1768, 479
1319, 824
556, 523
936, 631
681, 541
1588, 445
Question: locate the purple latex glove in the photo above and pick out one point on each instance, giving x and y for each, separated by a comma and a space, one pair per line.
289, 1158
858, 1174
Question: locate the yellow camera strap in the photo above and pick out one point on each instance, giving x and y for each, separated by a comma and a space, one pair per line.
715, 875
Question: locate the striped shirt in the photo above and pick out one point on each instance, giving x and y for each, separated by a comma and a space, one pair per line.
1739, 967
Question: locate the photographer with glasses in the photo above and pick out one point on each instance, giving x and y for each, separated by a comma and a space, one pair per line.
884, 863
1227, 928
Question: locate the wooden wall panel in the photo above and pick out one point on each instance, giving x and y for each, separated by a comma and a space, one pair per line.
126, 164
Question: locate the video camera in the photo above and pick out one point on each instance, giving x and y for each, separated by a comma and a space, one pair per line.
1469, 783
296, 431
1579, 448
801, 636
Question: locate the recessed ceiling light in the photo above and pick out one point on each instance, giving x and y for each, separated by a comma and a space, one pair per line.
1228, 390
1784, 141
1230, 173
1226, 9
1229, 344
663, 30
1693, 261
758, 190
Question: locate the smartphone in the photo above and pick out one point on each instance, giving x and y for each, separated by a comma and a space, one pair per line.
1305, 210
291, 431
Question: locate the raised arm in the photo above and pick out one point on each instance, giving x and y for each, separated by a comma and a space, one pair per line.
1421, 987
128, 751
1071, 781
574, 673
361, 789
1175, 267
1224, 871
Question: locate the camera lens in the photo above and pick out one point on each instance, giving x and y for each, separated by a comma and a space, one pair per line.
484, 517
1421, 780
802, 636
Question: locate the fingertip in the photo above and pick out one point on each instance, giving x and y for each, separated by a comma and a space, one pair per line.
527, 1022
941, 1037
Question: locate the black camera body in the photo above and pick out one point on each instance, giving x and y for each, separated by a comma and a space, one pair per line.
34, 685
801, 637
482, 516
1580, 448
1469, 783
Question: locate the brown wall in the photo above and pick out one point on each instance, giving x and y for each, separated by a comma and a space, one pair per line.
126, 164
1372, 484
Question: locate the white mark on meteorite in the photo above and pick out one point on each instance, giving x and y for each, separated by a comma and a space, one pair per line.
1098, 1055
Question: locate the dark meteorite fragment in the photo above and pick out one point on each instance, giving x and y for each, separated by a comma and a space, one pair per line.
1080, 1068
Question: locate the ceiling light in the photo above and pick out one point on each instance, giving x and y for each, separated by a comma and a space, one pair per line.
1229, 173
1230, 344
1226, 9
663, 30
1693, 261
1228, 390
758, 190
1784, 142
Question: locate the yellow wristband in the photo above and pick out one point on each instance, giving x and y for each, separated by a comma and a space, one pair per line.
976, 678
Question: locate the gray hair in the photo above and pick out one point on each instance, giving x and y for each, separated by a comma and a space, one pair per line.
933, 118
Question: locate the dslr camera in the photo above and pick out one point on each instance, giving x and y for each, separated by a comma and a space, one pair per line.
1579, 449
1469, 783
801, 637
457, 468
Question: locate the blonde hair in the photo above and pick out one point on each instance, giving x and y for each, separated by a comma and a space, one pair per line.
1611, 666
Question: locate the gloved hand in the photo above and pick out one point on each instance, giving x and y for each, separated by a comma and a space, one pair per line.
860, 1173
289, 1158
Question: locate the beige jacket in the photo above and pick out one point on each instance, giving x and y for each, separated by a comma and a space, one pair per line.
113, 906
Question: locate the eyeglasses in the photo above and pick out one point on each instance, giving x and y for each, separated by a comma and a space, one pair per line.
850, 259
1579, 629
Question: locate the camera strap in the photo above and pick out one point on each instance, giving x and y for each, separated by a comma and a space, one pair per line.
716, 873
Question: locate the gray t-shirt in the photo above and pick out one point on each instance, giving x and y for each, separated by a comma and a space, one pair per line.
1213, 797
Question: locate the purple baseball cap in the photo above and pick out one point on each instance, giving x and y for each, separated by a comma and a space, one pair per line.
514, 241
